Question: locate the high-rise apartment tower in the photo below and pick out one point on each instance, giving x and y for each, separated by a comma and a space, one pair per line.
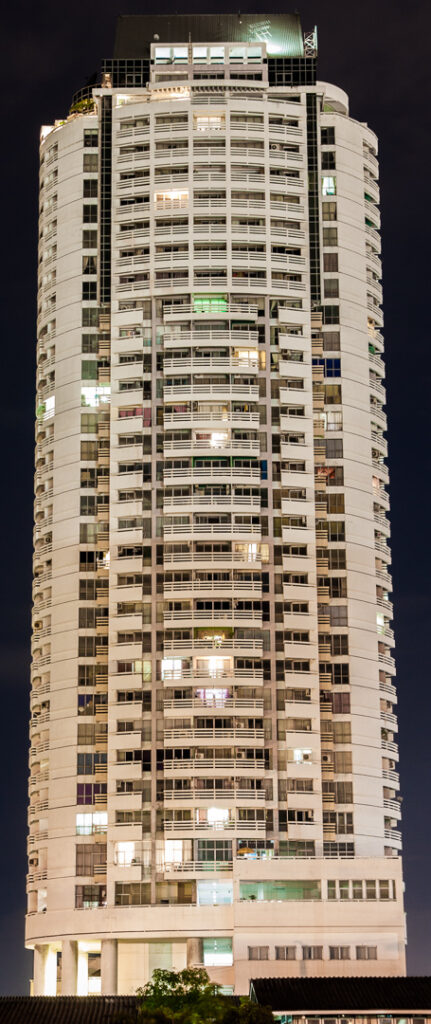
213, 759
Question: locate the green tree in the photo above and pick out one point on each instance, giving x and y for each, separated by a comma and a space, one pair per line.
189, 997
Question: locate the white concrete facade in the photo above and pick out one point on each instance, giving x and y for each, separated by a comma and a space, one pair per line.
213, 727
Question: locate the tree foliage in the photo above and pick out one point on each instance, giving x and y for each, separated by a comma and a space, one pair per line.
189, 997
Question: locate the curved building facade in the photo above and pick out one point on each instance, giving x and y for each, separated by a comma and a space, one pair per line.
213, 763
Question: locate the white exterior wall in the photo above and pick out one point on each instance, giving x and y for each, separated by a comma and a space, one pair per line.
133, 939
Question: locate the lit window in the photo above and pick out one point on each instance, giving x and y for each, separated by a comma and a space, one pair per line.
173, 198
217, 816
180, 54
125, 854
95, 396
162, 54
217, 952
237, 54
172, 668
211, 894
328, 187
199, 54
217, 54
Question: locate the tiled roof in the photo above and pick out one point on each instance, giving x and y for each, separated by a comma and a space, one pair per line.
389, 995
66, 1009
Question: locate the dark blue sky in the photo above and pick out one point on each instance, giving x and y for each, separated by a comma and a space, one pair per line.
378, 51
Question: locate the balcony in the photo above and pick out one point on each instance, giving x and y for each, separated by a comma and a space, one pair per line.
242, 705
236, 735
196, 867
224, 530
219, 765
221, 587
210, 309
208, 796
229, 645
194, 391
228, 474
191, 446
196, 828
211, 365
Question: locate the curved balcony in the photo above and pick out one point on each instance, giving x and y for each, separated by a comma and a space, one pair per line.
228, 587
214, 364
193, 392
242, 705
206, 309
237, 735
174, 337
228, 617
192, 447
229, 645
214, 828
219, 765
204, 797
226, 416
225, 474
244, 531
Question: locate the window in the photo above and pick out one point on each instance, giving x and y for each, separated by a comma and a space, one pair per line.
89, 369
330, 262
329, 187
89, 897
90, 317
90, 857
90, 188
331, 315
217, 952
342, 732
89, 824
312, 952
285, 952
334, 448
89, 291
331, 339
327, 136
343, 761
329, 211
91, 137
89, 265
330, 286
89, 238
330, 236
341, 703
338, 615
91, 162
328, 160
366, 952
90, 792
339, 952
280, 891
258, 952
336, 507
90, 213
343, 792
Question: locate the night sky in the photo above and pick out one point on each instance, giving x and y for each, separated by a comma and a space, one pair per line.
378, 51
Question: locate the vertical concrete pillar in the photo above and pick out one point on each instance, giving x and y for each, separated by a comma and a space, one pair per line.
39, 965
109, 967
195, 952
69, 967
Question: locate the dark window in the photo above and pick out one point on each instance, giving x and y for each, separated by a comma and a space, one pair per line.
329, 211
330, 236
91, 137
90, 213
328, 160
327, 136
90, 188
330, 285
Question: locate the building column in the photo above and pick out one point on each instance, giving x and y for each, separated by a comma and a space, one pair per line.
109, 967
69, 967
39, 965
195, 952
